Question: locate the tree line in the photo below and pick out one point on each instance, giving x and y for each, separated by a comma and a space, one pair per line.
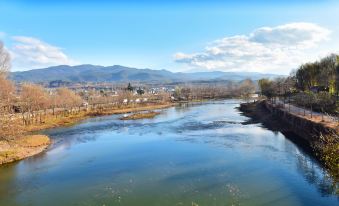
30, 100
32, 103
230, 89
313, 85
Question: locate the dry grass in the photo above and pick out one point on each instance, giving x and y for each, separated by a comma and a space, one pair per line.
33, 141
13, 149
22, 147
147, 115
129, 109
51, 121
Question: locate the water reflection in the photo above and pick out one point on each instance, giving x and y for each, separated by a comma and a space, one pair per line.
316, 175
200, 153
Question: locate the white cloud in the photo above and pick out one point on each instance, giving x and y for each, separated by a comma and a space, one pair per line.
299, 34
29, 53
267, 49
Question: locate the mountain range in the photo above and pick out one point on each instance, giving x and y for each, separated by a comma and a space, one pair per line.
117, 73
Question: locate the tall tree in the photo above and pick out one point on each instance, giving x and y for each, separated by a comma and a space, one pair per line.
7, 91
246, 88
327, 73
34, 97
6, 86
68, 98
140, 91
5, 61
267, 88
129, 87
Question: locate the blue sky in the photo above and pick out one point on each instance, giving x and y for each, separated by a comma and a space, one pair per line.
174, 35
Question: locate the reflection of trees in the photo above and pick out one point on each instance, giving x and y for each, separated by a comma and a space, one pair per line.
8, 175
317, 176
183, 107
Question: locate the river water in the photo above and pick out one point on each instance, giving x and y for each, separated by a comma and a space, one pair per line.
200, 154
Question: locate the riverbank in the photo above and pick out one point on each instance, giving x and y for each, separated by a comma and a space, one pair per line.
24, 146
145, 115
222, 162
52, 121
321, 137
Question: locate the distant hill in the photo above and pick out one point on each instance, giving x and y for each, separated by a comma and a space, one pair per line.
117, 73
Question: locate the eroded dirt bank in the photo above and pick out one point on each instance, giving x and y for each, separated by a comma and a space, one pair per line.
318, 138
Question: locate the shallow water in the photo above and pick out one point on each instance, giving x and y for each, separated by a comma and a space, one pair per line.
189, 155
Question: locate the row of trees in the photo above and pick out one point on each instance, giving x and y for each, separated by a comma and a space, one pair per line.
320, 75
5, 89
29, 99
313, 85
199, 92
33, 100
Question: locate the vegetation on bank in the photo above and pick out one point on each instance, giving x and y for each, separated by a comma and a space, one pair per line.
191, 92
327, 150
144, 115
313, 85
30, 107
325, 147
50, 121
22, 147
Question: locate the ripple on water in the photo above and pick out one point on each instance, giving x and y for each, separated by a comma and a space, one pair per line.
190, 155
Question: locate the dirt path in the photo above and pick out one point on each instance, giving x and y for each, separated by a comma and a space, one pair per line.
329, 121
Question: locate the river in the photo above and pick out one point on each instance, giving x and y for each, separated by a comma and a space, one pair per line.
202, 154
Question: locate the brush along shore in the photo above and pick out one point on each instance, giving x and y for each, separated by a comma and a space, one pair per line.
321, 137
24, 145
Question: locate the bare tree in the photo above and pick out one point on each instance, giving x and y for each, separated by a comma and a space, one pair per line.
6, 99
7, 91
34, 98
247, 87
5, 60
68, 99
6, 95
